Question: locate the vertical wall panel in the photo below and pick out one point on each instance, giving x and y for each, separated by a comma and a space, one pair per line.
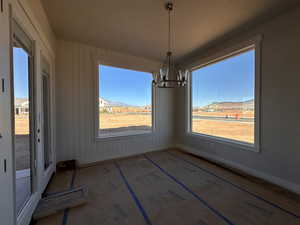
75, 108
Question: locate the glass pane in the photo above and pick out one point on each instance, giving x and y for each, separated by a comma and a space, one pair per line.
46, 108
22, 126
223, 98
125, 101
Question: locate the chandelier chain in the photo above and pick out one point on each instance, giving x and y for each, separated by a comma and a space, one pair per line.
169, 76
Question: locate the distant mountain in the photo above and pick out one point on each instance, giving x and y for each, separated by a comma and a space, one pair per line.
220, 106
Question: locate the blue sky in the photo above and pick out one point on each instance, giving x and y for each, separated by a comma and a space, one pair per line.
20, 73
123, 85
228, 80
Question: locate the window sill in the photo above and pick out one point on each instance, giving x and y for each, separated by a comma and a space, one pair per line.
235, 144
119, 136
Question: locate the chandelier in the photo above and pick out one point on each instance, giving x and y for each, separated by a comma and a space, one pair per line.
169, 76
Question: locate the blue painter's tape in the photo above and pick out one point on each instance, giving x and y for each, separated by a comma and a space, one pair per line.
191, 192
137, 202
238, 187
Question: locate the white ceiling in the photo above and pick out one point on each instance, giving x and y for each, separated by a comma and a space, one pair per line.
139, 27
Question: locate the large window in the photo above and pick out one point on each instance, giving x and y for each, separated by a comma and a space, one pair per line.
125, 102
223, 98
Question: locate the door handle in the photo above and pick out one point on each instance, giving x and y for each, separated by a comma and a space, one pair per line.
5, 166
3, 85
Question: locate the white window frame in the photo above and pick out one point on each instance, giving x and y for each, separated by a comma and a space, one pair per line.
97, 112
254, 43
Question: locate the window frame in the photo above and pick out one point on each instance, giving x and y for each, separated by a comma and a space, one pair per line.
252, 44
97, 112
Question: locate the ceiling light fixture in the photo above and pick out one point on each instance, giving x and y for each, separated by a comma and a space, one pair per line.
169, 76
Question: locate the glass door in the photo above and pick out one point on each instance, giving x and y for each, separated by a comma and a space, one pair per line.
23, 116
46, 114
7, 208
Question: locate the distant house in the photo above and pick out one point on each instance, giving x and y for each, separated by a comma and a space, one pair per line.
103, 103
104, 106
21, 106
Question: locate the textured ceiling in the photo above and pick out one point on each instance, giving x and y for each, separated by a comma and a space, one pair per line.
139, 27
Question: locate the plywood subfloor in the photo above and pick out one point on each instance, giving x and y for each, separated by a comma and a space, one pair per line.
171, 188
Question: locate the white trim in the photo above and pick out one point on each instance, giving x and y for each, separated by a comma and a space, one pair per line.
42, 36
24, 218
46, 177
225, 141
293, 187
254, 43
226, 52
117, 136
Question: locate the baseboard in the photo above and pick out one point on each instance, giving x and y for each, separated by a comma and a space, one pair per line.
94, 163
252, 172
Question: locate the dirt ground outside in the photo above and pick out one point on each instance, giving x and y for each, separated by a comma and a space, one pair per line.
239, 131
22, 142
231, 124
236, 130
22, 124
111, 123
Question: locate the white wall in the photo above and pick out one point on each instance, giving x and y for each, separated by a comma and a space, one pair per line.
75, 79
279, 160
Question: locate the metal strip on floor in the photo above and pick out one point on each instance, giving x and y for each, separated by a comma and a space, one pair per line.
133, 195
66, 211
237, 186
185, 187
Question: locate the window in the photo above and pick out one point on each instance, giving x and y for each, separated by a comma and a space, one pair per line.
125, 102
223, 104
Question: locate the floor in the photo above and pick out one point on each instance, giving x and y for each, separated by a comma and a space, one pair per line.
172, 188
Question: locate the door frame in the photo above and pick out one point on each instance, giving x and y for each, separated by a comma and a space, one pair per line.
33, 118
7, 172
21, 11
47, 173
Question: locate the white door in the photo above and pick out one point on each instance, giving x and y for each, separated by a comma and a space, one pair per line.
7, 176
46, 131
24, 119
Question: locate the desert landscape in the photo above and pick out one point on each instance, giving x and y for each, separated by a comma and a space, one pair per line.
124, 120
22, 151
224, 119
237, 130
232, 120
